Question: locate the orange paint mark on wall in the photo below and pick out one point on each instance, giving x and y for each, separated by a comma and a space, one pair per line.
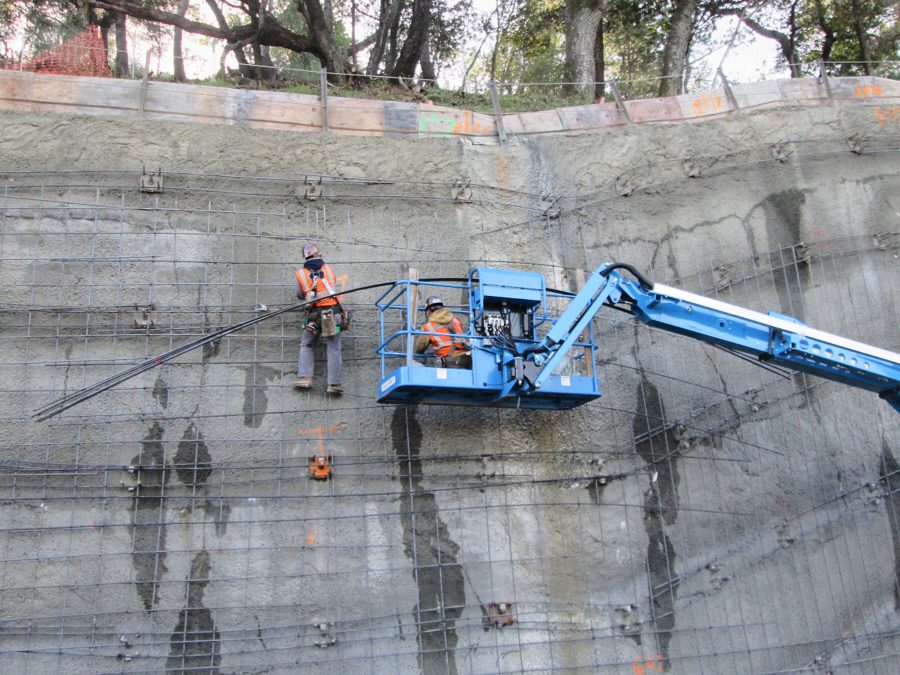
320, 432
885, 115
867, 90
468, 125
651, 663
706, 105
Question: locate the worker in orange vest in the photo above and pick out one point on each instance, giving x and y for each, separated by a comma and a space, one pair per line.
443, 331
325, 317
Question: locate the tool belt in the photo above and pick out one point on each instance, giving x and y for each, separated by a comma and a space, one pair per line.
325, 322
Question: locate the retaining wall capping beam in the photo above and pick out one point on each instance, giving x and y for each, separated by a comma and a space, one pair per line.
36, 92
620, 102
498, 113
323, 96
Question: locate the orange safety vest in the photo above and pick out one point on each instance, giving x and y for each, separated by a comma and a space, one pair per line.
324, 285
441, 342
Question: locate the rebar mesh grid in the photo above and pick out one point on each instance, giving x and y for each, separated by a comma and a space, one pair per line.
705, 515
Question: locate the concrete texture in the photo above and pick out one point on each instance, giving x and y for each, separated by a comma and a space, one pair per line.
704, 516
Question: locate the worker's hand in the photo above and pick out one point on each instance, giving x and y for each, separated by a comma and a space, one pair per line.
312, 328
345, 321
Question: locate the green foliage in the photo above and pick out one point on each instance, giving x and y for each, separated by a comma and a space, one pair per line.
451, 25
635, 40
37, 24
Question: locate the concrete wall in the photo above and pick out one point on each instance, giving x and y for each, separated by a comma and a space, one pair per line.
24, 91
703, 516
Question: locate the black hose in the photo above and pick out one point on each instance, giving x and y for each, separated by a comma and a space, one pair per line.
69, 400
642, 280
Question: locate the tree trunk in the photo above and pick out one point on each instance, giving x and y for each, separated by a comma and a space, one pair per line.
237, 50
265, 69
121, 46
829, 38
387, 18
411, 52
176, 45
861, 37
582, 21
319, 24
599, 64
104, 22
428, 73
678, 40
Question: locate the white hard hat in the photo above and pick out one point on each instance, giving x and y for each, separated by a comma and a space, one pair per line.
433, 301
310, 250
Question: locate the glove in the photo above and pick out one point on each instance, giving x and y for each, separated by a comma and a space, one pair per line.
312, 328
345, 320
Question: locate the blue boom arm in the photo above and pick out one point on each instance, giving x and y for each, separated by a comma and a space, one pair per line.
772, 338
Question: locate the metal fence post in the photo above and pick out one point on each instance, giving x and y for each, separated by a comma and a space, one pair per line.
729, 92
144, 83
620, 102
323, 95
823, 78
498, 114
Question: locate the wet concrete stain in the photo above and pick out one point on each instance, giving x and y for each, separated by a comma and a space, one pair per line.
194, 645
148, 529
657, 445
439, 577
255, 400
890, 477
161, 391
193, 463
193, 467
219, 513
211, 349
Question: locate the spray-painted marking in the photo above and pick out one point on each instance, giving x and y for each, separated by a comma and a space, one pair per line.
866, 91
436, 122
705, 105
435, 119
641, 666
320, 432
885, 115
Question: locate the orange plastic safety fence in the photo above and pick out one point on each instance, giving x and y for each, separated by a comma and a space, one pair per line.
81, 55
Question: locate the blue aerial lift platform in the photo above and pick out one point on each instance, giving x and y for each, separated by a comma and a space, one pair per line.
525, 356
504, 310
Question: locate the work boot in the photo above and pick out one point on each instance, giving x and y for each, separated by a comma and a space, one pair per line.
303, 383
334, 389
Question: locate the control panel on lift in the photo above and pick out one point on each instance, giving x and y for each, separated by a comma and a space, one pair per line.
504, 313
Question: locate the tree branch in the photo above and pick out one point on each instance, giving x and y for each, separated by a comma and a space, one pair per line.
272, 34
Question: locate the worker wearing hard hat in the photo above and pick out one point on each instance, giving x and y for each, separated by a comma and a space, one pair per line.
443, 331
325, 317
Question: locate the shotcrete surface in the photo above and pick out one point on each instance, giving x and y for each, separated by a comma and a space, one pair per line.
704, 515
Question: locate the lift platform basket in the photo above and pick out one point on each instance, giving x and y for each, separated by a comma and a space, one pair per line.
504, 313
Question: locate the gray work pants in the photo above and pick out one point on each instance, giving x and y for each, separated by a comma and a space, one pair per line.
306, 360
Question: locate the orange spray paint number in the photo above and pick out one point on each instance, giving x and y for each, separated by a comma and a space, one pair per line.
650, 664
